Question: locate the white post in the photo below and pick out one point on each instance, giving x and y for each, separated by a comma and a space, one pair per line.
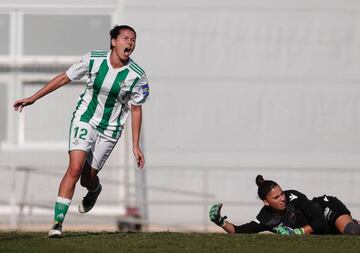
205, 198
118, 18
118, 14
12, 200
16, 51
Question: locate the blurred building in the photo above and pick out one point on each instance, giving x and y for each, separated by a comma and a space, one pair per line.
238, 88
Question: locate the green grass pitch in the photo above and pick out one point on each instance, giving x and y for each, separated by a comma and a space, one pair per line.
173, 242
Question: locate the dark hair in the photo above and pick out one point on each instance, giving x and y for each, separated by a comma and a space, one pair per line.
114, 33
264, 186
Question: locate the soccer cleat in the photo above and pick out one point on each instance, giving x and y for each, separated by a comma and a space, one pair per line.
89, 200
56, 231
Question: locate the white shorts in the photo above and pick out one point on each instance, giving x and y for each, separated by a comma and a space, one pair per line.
85, 137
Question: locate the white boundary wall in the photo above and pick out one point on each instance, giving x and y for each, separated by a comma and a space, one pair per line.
249, 87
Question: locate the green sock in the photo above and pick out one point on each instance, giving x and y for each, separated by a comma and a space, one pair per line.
61, 208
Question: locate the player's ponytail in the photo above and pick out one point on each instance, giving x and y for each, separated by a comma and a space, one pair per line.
259, 180
264, 186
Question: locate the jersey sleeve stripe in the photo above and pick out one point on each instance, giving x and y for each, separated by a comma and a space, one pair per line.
134, 66
137, 71
138, 67
98, 53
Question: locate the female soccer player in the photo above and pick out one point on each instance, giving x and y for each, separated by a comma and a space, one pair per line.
291, 212
115, 85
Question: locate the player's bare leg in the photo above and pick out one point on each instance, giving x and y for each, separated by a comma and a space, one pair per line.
66, 191
73, 173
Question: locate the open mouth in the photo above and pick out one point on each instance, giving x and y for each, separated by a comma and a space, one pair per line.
127, 50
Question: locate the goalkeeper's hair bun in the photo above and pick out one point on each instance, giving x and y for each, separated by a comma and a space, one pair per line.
259, 180
264, 186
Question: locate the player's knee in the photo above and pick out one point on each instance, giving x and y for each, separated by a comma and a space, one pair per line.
74, 170
352, 229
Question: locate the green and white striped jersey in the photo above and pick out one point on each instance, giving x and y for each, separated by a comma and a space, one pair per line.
109, 92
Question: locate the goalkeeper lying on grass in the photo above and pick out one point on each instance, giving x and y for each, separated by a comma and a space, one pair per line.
291, 212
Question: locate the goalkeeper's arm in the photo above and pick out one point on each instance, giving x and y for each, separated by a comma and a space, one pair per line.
229, 227
215, 216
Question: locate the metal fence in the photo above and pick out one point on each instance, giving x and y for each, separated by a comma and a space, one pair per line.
168, 198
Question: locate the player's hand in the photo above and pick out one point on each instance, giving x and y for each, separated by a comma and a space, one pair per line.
21, 103
285, 230
215, 215
139, 156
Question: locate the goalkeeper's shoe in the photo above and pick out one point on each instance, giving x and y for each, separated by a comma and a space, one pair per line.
89, 200
56, 231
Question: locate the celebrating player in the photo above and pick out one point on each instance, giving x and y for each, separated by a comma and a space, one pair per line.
115, 85
291, 212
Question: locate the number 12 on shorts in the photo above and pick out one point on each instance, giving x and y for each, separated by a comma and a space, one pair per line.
82, 133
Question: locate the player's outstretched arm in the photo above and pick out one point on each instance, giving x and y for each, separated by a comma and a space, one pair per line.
54, 84
229, 227
248, 228
136, 118
215, 216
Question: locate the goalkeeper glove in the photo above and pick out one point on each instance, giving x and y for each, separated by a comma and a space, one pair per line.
285, 230
215, 216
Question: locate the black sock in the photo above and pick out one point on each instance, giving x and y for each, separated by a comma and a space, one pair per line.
352, 229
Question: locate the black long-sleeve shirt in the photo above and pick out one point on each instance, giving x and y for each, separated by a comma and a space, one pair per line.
299, 211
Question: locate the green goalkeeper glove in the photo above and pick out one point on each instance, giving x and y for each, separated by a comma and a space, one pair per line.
215, 216
285, 230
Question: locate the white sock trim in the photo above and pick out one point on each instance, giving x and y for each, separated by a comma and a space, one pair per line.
63, 200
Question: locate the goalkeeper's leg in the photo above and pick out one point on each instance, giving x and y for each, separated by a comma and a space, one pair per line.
352, 228
346, 225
